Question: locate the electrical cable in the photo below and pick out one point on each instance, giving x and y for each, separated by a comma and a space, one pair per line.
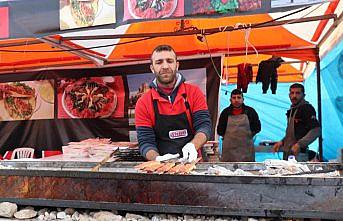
210, 53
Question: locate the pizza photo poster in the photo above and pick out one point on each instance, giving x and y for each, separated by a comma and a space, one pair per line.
78, 14
153, 9
91, 97
27, 100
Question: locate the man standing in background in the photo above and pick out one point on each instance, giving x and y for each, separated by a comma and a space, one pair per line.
302, 126
238, 124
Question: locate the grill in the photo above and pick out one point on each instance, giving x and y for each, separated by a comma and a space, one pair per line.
128, 154
118, 186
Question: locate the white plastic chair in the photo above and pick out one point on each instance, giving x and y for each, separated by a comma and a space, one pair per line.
24, 152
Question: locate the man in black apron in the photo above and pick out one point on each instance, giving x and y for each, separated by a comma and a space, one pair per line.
238, 124
172, 119
302, 126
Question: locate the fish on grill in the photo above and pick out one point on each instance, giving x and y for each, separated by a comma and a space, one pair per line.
153, 168
187, 168
147, 164
175, 169
165, 168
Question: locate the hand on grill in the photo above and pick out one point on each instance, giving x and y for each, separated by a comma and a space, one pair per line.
189, 152
167, 156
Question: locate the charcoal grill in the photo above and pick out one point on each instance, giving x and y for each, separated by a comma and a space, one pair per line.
118, 186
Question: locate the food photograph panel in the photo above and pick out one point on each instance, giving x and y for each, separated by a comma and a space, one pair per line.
153, 9
86, 13
287, 3
224, 6
27, 100
91, 97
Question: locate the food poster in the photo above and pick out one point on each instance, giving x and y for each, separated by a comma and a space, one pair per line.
27, 100
287, 3
85, 13
224, 6
153, 9
91, 97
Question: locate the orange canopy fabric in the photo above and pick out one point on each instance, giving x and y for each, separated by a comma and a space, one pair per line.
26, 59
277, 40
287, 72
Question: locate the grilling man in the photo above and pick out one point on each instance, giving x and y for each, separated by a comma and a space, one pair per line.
172, 119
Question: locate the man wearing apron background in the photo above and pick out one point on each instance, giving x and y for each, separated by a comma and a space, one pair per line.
238, 124
302, 126
172, 119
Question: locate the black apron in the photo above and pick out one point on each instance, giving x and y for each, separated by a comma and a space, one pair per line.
172, 131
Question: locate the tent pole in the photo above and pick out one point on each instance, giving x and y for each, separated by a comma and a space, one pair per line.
319, 97
200, 31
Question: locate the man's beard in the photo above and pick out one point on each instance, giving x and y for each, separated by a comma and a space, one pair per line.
163, 80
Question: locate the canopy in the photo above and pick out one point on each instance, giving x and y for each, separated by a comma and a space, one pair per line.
288, 40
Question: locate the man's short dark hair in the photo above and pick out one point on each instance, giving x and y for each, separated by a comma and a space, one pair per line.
236, 92
163, 48
297, 85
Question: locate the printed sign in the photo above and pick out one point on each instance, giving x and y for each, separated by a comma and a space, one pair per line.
27, 100
4, 27
94, 97
77, 14
286, 3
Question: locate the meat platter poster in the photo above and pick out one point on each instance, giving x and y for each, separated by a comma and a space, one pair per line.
91, 97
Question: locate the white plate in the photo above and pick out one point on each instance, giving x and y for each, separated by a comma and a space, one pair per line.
72, 116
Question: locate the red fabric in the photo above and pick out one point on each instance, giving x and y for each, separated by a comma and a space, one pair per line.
166, 90
49, 153
237, 111
244, 76
8, 155
144, 114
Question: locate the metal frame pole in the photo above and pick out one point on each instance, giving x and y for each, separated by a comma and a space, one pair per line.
319, 99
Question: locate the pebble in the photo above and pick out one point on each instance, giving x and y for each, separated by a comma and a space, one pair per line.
70, 214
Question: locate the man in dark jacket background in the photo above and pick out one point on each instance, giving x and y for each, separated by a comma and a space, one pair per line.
302, 126
238, 124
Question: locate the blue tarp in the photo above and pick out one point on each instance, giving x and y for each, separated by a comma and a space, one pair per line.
332, 100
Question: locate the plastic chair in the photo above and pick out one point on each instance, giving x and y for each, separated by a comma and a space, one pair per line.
24, 152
